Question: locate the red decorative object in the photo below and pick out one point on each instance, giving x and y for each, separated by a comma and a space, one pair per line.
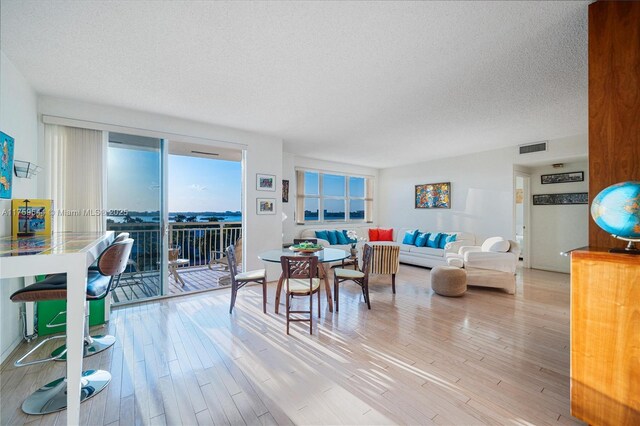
373, 234
385, 234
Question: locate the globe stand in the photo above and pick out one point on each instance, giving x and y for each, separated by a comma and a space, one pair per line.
629, 249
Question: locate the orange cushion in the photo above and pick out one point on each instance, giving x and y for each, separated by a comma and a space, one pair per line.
385, 234
373, 234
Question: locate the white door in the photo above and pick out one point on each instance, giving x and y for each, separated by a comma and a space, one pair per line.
522, 203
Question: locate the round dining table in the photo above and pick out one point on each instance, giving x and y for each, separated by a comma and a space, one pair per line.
325, 257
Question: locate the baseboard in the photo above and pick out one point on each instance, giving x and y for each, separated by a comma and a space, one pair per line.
9, 350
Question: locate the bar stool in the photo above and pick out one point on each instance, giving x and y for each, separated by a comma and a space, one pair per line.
92, 344
53, 396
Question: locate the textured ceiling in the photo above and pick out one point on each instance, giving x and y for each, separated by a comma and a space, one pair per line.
372, 83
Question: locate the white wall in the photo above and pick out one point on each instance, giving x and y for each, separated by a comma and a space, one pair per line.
290, 162
556, 229
482, 192
18, 119
263, 155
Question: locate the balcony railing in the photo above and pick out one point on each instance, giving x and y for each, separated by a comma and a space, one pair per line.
197, 241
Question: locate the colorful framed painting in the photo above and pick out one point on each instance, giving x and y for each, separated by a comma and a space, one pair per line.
265, 182
433, 196
30, 217
266, 206
6, 165
285, 191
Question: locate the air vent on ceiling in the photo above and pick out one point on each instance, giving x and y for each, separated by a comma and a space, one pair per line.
205, 153
533, 147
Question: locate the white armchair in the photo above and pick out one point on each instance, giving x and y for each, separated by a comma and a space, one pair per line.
491, 265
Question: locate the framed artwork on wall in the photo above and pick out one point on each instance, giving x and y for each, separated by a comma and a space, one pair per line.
6, 165
562, 177
31, 217
433, 196
265, 206
265, 182
285, 191
559, 199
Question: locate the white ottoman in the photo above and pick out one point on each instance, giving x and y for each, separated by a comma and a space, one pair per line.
448, 281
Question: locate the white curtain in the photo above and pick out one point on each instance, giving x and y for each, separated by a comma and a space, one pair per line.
368, 200
76, 163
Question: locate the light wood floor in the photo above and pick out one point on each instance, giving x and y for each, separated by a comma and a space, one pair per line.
415, 358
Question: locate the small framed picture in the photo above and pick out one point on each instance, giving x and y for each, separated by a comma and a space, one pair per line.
562, 178
266, 206
265, 182
285, 191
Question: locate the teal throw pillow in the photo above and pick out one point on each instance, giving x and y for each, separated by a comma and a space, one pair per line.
350, 240
410, 237
421, 239
451, 238
322, 235
342, 238
434, 240
333, 237
446, 238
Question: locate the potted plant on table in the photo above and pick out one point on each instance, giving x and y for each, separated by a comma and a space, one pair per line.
353, 240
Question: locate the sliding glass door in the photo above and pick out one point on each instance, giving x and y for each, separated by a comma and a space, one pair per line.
137, 205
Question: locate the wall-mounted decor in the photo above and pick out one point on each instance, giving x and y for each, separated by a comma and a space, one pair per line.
562, 177
285, 191
433, 196
566, 198
6, 165
266, 206
25, 169
30, 217
519, 195
265, 182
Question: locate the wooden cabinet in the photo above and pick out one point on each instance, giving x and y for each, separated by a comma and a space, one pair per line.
605, 337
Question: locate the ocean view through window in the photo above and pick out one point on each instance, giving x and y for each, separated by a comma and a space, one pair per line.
200, 189
329, 197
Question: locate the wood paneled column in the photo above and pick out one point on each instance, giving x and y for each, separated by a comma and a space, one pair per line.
614, 101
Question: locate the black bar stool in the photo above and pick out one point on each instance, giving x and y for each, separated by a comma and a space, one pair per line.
92, 344
53, 396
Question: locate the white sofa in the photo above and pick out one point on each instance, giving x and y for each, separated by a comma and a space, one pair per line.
412, 255
491, 265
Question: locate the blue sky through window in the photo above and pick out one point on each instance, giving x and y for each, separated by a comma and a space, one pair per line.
194, 184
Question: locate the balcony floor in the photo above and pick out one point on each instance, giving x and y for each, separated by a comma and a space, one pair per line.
146, 284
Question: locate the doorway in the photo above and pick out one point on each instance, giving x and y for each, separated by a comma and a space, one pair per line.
522, 210
204, 188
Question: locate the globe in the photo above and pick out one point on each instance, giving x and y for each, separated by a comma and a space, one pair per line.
616, 209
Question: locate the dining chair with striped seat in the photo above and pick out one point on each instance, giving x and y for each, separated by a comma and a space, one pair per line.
385, 260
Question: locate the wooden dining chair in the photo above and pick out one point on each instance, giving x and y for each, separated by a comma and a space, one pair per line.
360, 277
300, 274
238, 280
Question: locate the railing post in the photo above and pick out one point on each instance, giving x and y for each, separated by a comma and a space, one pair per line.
221, 237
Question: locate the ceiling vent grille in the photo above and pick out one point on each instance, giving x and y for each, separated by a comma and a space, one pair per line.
533, 147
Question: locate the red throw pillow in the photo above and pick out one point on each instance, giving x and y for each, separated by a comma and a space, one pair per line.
385, 234
373, 234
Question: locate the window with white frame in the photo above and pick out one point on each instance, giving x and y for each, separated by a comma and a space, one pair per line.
332, 197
